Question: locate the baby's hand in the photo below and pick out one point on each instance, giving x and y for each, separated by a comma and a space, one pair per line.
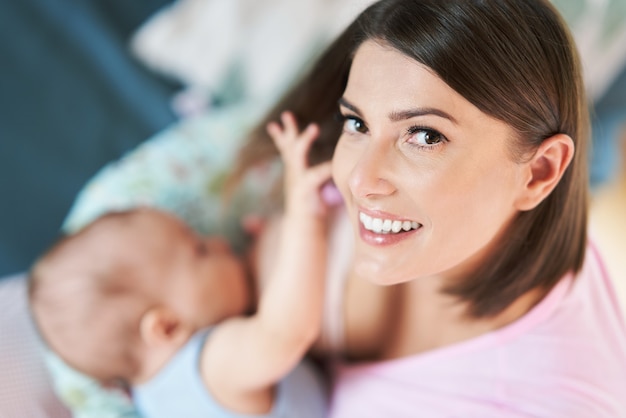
302, 183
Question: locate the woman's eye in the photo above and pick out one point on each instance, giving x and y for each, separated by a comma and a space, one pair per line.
356, 125
425, 137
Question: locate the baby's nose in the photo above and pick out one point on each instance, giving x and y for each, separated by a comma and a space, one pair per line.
218, 244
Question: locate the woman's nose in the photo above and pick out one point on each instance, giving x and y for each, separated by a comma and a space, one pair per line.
369, 176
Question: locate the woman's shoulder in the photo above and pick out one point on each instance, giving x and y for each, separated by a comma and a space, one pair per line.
582, 305
593, 297
579, 326
577, 354
565, 357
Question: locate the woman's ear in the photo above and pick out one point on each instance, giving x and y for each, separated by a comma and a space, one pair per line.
162, 326
545, 169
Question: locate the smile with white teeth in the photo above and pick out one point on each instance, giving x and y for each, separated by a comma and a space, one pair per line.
386, 226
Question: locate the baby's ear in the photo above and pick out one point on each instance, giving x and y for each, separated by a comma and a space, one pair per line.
162, 326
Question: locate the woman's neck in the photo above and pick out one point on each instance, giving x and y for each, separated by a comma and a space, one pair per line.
428, 319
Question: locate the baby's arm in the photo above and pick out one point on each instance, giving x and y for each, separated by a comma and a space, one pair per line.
245, 357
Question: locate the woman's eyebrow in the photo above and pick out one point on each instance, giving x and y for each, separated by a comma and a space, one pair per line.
345, 103
400, 115
397, 116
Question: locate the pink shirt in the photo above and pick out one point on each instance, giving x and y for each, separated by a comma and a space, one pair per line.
564, 358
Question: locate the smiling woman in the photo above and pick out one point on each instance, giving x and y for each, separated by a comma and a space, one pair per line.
462, 160
420, 165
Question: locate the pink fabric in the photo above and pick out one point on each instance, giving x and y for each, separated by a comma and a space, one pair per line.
565, 358
25, 387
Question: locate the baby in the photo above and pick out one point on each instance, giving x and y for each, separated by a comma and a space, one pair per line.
138, 298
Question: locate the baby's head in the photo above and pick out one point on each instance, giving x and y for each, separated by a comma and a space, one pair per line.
117, 299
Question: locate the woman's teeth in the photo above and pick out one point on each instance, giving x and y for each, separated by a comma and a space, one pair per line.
386, 226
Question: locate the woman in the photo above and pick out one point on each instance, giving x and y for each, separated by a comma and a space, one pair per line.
462, 161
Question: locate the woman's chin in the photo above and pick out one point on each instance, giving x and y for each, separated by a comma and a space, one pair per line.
376, 273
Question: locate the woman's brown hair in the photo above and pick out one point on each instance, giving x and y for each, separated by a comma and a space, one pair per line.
514, 60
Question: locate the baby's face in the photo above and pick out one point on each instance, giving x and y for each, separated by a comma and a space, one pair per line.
151, 259
200, 276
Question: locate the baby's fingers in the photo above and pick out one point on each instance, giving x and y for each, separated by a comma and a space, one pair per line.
319, 174
304, 196
292, 144
283, 134
303, 144
277, 134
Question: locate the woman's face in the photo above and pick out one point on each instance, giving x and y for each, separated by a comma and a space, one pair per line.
428, 179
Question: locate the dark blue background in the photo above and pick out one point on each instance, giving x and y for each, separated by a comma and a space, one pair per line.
71, 99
